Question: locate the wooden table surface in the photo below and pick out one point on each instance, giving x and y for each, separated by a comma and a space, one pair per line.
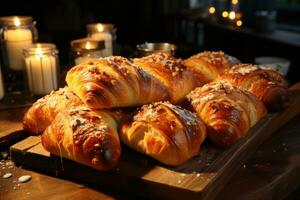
273, 172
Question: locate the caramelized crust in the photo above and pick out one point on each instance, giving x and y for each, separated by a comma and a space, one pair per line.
267, 84
85, 136
165, 132
227, 111
208, 65
171, 72
114, 82
43, 111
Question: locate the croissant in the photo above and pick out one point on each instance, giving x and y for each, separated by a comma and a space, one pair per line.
165, 132
267, 84
208, 65
43, 111
227, 111
85, 136
171, 72
114, 82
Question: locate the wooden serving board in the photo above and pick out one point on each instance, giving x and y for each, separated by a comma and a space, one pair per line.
201, 177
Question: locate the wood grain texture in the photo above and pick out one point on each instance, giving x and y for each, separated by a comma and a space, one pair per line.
10, 125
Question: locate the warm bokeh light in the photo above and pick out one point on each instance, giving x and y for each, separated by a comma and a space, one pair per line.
225, 14
235, 2
100, 27
17, 21
232, 15
88, 45
211, 10
239, 23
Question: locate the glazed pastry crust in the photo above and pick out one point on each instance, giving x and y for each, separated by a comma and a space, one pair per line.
85, 136
267, 84
40, 115
208, 65
114, 82
165, 132
227, 111
171, 72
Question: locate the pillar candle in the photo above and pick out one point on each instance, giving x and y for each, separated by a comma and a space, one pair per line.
16, 40
41, 73
107, 37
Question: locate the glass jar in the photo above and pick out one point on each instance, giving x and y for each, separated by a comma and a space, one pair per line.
16, 34
86, 49
42, 67
148, 48
106, 32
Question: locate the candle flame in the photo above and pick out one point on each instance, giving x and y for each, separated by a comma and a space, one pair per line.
212, 10
17, 21
88, 45
100, 27
232, 15
38, 52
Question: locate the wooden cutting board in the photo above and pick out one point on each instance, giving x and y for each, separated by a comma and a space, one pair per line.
201, 177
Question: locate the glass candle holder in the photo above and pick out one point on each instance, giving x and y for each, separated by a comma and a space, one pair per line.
42, 66
16, 34
106, 32
148, 48
86, 49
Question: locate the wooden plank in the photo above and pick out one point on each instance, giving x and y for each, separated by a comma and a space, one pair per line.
11, 126
201, 177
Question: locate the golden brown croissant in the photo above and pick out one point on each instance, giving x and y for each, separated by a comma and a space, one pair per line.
267, 84
171, 72
228, 112
114, 82
165, 132
43, 111
208, 65
85, 136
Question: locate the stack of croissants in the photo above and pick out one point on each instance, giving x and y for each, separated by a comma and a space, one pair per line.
183, 102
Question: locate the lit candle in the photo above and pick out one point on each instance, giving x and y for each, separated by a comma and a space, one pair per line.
102, 32
85, 59
1, 85
87, 50
41, 67
16, 40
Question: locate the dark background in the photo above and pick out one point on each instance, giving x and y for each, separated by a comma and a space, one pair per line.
137, 21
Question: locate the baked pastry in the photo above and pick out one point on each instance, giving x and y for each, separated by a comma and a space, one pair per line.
85, 136
171, 72
114, 82
208, 65
43, 111
267, 84
227, 111
165, 132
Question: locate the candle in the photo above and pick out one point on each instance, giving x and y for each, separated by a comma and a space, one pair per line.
41, 67
1, 85
16, 40
86, 50
102, 32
